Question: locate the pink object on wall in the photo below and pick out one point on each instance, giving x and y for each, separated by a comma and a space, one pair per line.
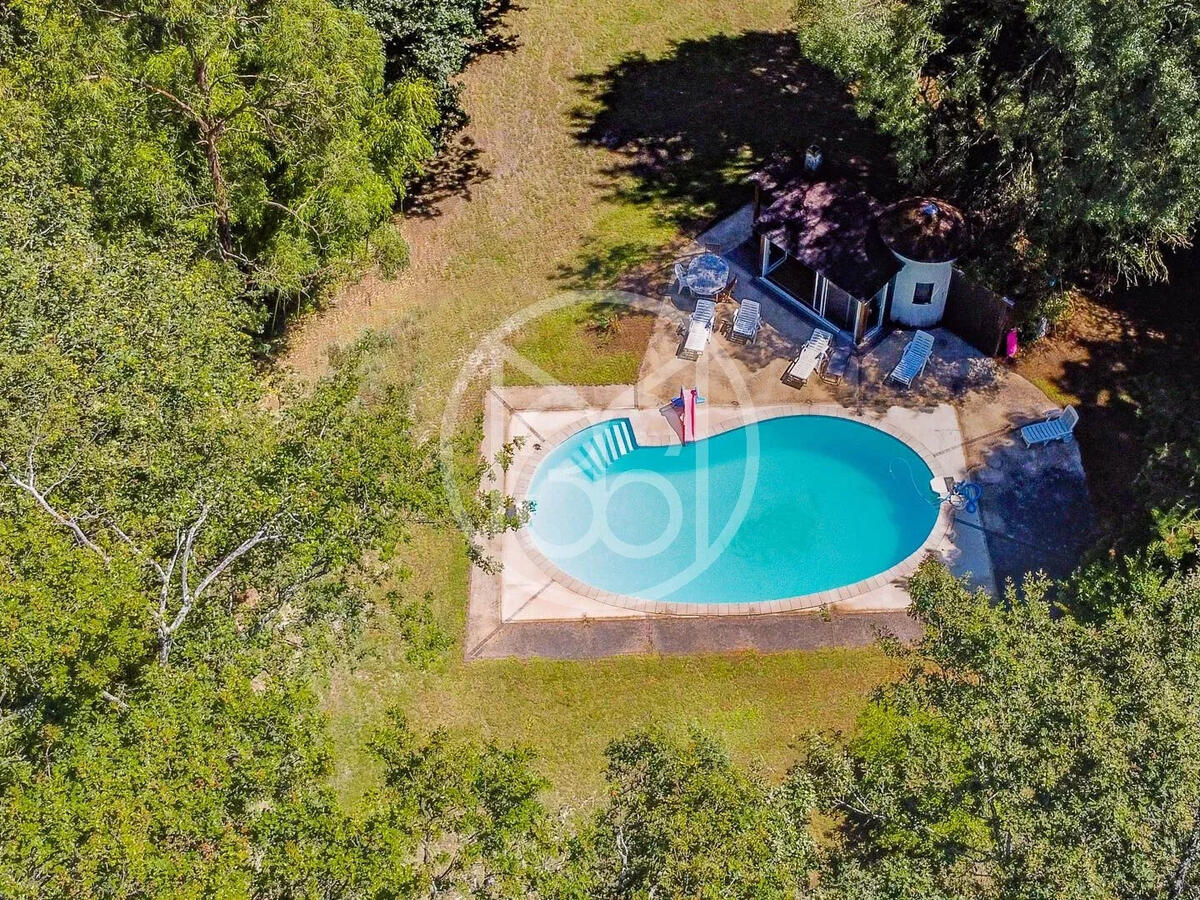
1010, 344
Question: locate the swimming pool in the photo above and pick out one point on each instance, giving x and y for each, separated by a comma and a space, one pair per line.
778, 509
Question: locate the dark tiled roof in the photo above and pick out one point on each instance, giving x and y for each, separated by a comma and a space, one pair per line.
829, 225
923, 229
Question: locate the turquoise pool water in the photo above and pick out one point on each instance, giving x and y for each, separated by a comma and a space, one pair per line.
778, 509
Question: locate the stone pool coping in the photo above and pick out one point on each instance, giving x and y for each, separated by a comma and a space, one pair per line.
727, 420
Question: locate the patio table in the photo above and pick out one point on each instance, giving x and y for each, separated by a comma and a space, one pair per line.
707, 274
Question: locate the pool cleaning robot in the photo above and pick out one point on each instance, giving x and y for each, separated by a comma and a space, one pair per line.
962, 495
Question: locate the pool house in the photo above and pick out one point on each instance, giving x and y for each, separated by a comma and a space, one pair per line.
827, 247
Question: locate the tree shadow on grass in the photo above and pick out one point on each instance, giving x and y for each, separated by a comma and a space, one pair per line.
454, 172
497, 37
630, 265
689, 127
457, 167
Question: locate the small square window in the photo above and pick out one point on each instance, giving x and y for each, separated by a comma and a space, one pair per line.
923, 293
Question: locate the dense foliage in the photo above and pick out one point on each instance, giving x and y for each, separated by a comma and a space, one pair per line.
1070, 124
683, 821
1028, 752
187, 537
262, 135
185, 540
430, 40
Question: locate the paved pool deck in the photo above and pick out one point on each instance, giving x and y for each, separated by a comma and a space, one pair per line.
963, 415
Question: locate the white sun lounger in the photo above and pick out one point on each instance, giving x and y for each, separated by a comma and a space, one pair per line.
811, 355
915, 358
697, 339
746, 322
803, 366
820, 339
1059, 426
700, 327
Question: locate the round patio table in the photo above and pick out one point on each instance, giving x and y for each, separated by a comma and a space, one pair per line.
707, 274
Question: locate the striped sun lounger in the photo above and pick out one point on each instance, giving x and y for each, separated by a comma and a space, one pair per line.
1058, 427
699, 329
746, 322
697, 339
811, 355
915, 358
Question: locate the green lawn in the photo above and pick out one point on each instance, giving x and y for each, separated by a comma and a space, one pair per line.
610, 131
588, 343
568, 711
1051, 389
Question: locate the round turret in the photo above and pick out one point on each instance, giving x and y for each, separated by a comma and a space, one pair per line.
926, 235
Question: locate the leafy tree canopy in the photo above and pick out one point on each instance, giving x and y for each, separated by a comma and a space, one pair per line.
263, 132
430, 40
1026, 752
683, 821
183, 543
1069, 123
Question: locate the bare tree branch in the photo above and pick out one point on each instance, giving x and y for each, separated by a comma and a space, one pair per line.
186, 558
115, 700
182, 557
162, 92
184, 547
137, 550
29, 485
263, 534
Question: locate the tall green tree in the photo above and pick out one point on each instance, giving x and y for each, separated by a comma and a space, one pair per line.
450, 819
212, 781
1070, 124
683, 821
1027, 753
184, 543
427, 39
131, 416
263, 131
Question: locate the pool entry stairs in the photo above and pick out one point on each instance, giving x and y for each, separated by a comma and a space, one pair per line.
608, 444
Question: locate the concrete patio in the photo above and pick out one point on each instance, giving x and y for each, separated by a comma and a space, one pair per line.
1036, 511
964, 413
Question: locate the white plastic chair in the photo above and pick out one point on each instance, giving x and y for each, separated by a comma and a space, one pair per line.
681, 285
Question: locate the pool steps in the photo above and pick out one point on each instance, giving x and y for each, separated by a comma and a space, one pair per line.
606, 446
